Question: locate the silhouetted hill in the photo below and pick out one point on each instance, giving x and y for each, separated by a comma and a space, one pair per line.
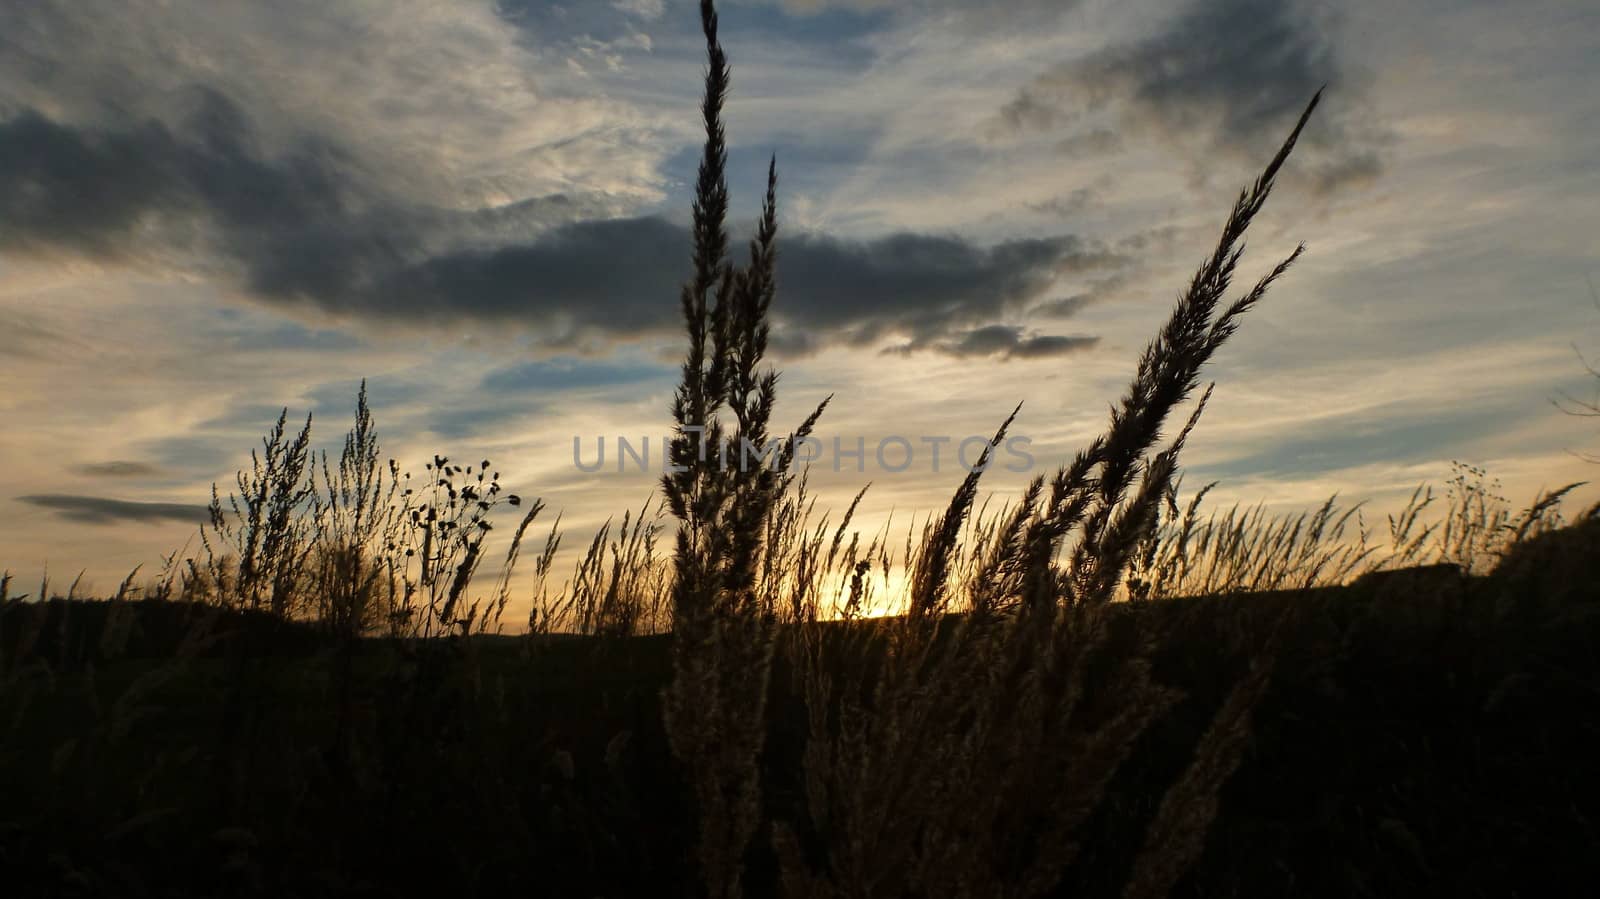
66, 633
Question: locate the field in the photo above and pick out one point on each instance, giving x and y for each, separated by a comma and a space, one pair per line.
1430, 736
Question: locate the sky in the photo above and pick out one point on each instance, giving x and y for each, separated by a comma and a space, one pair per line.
213, 211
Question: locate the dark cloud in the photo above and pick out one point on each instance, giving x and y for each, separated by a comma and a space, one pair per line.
305, 228
1254, 63
1066, 307
98, 510
1045, 345
611, 277
790, 343
1355, 167
296, 224
1232, 74
922, 286
118, 469
617, 278
307, 224
1029, 112
1160, 237
1096, 290
1002, 341
60, 188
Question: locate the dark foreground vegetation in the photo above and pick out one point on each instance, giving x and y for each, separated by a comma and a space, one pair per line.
1427, 734
1089, 692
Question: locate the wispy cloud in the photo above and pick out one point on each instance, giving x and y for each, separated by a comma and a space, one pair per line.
99, 510
120, 468
1221, 75
25, 336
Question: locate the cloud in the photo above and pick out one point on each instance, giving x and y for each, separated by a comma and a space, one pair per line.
812, 7
1095, 142
118, 469
1008, 342
293, 337
464, 422
1230, 75
1095, 290
964, 13
921, 285
205, 454
98, 510
644, 9
299, 150
221, 443
300, 233
299, 226
1071, 203
439, 100
24, 336
1393, 435
267, 195
87, 193
573, 286
1028, 111
569, 374
1065, 307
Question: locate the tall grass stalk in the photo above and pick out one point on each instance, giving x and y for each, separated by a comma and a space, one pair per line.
257, 542
715, 707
